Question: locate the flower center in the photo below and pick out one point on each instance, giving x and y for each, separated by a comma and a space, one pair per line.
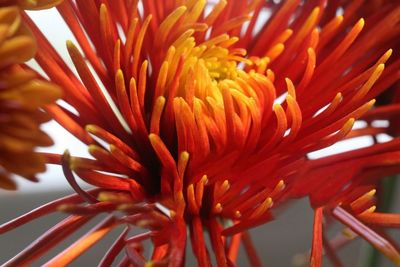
206, 64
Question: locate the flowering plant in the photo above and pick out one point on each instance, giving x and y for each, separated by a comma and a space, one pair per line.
202, 115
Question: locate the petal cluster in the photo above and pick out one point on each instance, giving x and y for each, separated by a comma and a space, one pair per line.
31, 4
21, 96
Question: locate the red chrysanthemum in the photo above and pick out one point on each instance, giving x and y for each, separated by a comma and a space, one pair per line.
205, 119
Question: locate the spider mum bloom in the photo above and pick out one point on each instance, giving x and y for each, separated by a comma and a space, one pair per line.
21, 96
195, 120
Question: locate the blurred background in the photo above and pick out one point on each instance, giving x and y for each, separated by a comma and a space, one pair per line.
282, 242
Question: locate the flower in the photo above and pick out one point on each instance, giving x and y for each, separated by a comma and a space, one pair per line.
183, 117
31, 4
21, 96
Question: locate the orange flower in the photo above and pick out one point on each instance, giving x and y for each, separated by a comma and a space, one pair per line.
21, 96
31, 4
194, 119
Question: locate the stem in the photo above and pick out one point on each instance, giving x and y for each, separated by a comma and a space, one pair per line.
385, 199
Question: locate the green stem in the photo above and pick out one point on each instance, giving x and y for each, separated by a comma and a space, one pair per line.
386, 196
